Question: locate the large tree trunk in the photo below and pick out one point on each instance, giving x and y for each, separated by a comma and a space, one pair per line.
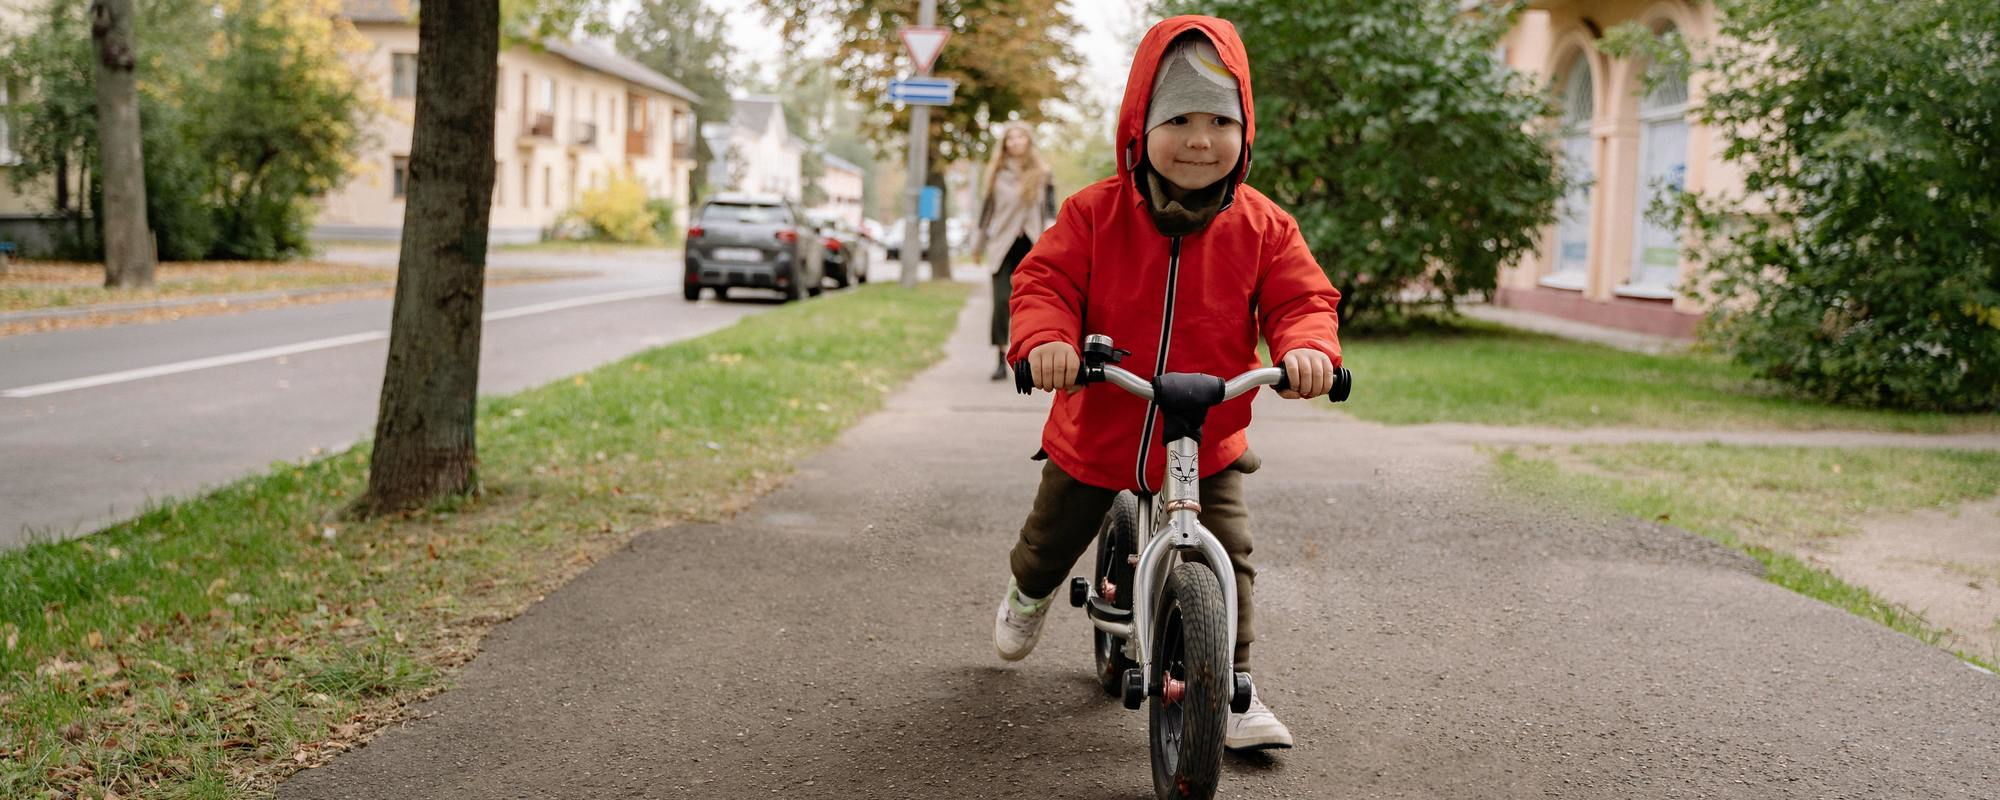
424, 445
940, 250
128, 243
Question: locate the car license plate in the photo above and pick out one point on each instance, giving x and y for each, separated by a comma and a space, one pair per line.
739, 254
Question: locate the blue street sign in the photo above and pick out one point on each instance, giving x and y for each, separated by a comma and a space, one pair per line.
922, 91
928, 202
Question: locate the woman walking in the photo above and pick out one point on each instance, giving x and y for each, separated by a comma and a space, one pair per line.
1020, 204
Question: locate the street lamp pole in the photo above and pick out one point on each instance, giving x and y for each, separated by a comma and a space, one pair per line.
920, 150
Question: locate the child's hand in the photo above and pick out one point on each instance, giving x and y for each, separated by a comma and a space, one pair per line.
1310, 372
1054, 366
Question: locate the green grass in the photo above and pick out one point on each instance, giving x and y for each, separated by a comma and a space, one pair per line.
1767, 502
212, 646
1483, 373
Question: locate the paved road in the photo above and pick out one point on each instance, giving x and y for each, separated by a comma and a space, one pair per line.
1424, 637
74, 459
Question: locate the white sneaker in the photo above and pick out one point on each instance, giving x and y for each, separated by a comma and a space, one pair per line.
1256, 728
1018, 623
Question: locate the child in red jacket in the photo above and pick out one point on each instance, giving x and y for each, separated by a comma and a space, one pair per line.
1180, 262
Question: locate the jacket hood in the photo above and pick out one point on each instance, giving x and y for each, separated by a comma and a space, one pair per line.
1131, 136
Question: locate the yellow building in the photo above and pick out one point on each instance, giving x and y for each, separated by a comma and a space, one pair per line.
1605, 261
570, 115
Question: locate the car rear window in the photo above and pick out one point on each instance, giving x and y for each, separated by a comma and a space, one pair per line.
743, 213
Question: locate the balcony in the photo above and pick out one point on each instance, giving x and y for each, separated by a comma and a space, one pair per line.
583, 134
638, 144
538, 125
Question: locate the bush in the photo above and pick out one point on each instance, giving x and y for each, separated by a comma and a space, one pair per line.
664, 226
248, 108
1408, 154
614, 212
1867, 270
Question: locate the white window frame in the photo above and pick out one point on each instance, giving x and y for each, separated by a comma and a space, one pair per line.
1649, 116
395, 78
8, 155
1579, 115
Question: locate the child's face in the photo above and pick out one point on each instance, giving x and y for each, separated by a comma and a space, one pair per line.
1195, 150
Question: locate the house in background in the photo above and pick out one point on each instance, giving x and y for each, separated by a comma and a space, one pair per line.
27, 213
755, 151
569, 116
843, 185
1606, 261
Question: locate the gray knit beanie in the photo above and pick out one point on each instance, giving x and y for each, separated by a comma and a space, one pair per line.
1192, 78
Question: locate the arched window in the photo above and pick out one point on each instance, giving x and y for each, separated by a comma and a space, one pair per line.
1579, 108
1663, 147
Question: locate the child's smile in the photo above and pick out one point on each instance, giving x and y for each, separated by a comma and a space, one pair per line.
1195, 150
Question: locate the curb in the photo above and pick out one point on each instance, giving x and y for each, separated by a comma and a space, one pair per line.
67, 312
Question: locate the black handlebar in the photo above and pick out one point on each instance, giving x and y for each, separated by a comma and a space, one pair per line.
1024, 380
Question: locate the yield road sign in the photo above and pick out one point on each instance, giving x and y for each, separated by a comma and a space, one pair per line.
924, 44
923, 91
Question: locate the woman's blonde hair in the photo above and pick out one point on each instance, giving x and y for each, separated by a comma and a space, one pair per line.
1035, 170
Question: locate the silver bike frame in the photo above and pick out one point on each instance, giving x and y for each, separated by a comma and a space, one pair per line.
1160, 549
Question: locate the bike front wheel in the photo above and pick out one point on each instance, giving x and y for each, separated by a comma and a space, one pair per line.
1189, 709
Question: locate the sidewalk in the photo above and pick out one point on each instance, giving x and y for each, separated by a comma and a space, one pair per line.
1423, 638
1571, 329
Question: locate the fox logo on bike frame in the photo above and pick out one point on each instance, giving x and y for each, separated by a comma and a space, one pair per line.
1184, 467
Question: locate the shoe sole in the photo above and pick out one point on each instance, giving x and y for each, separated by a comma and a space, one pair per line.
1252, 746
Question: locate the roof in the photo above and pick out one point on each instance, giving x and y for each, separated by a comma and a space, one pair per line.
378, 10
583, 55
753, 113
611, 63
836, 161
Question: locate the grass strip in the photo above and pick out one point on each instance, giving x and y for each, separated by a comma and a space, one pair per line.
1767, 502
212, 646
1479, 372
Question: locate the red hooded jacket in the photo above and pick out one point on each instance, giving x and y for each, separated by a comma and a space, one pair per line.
1192, 304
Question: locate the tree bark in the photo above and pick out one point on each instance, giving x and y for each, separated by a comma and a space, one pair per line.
940, 250
424, 440
128, 241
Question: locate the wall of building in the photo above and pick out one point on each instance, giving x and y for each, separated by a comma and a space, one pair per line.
1605, 263
559, 129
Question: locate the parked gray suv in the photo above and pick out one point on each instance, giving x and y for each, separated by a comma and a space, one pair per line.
761, 241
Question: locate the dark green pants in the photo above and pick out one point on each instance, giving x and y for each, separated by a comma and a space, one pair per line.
1067, 514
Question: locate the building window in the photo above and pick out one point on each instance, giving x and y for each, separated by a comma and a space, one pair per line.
1572, 257
399, 179
548, 179
10, 132
548, 96
403, 75
526, 174
1663, 144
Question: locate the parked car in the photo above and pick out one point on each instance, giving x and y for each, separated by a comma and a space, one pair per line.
760, 241
892, 239
846, 250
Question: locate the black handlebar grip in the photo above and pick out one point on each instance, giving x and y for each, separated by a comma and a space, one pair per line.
1024, 378
1343, 383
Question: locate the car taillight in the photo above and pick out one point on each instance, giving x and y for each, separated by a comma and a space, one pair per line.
788, 236
695, 232
833, 245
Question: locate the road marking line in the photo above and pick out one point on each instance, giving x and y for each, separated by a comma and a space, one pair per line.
191, 365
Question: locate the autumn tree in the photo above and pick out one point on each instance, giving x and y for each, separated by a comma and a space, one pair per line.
1011, 58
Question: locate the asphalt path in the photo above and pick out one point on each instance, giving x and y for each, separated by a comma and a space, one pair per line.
97, 423
1424, 635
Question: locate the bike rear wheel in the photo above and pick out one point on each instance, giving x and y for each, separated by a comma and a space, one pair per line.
1117, 542
1190, 708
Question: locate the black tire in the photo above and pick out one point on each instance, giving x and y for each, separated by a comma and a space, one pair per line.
1117, 540
722, 293
691, 290
1192, 647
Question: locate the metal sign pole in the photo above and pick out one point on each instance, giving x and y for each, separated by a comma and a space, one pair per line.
920, 150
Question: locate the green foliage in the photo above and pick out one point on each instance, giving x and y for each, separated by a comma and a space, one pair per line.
665, 229
247, 113
616, 212
1408, 154
1862, 264
1010, 58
